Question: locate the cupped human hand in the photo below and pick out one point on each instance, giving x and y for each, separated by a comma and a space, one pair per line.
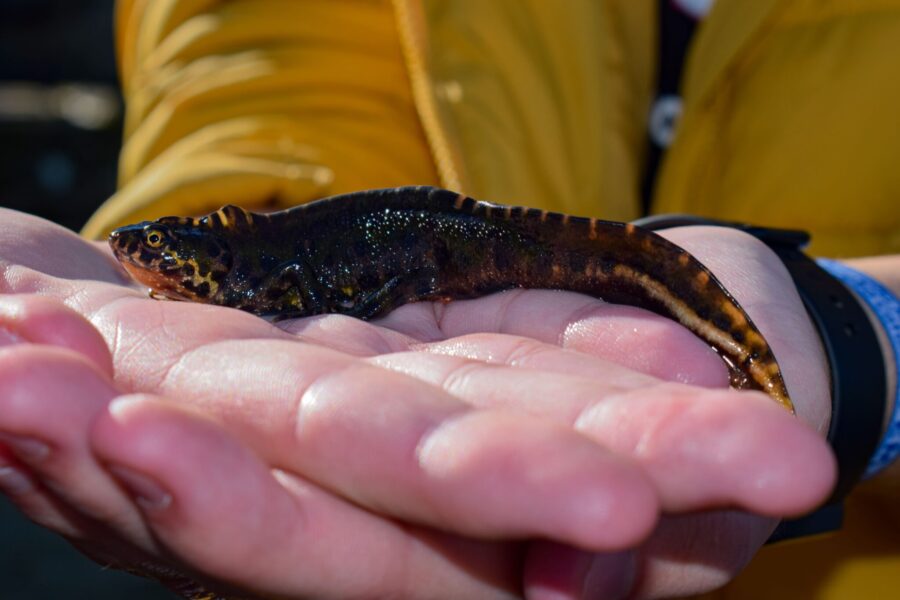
410, 457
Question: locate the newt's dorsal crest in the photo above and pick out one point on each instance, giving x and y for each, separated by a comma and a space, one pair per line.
228, 218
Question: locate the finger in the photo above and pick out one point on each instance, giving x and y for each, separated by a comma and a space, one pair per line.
548, 391
360, 338
701, 448
405, 448
693, 554
706, 448
42, 320
485, 473
511, 371
613, 332
201, 491
48, 398
530, 354
26, 493
686, 555
557, 572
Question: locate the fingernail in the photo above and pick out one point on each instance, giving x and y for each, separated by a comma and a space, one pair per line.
148, 494
13, 481
610, 576
27, 448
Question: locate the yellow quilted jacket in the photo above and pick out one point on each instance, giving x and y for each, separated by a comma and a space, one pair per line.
790, 119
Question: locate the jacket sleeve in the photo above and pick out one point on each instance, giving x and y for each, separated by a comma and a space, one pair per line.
261, 103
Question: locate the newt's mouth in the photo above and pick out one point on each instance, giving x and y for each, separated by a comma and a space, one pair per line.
155, 280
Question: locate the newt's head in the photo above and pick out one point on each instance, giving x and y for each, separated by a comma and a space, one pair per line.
181, 258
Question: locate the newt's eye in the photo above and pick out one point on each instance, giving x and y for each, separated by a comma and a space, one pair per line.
153, 238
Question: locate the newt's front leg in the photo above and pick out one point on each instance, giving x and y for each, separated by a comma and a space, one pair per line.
290, 291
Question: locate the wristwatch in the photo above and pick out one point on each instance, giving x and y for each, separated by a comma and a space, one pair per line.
857, 364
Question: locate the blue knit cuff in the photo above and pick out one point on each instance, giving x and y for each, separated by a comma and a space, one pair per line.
886, 307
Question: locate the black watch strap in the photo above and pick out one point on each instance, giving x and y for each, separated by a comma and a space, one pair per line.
858, 383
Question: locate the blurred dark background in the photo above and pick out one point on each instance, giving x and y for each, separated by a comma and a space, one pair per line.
60, 110
60, 126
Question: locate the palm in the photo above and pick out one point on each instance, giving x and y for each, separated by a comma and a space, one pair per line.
422, 448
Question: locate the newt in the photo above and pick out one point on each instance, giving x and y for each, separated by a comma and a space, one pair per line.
365, 253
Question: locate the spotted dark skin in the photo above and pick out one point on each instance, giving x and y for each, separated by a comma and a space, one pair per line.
366, 253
